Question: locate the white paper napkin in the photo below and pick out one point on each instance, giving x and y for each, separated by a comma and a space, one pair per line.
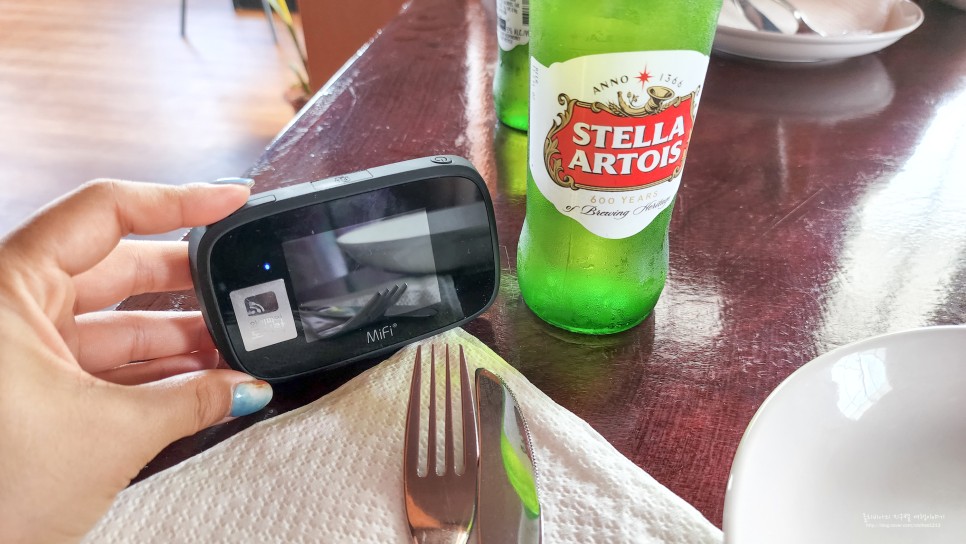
332, 472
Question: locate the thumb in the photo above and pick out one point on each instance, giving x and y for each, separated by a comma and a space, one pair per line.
187, 403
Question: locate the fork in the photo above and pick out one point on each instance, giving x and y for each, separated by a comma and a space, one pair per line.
440, 507
373, 309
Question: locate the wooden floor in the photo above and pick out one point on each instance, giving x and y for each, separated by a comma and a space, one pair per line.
104, 88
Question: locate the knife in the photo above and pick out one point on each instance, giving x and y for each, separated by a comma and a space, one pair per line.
508, 509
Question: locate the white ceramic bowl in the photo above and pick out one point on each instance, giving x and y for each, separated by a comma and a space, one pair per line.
903, 18
865, 444
403, 243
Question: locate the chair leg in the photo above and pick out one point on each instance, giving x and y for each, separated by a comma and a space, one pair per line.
184, 11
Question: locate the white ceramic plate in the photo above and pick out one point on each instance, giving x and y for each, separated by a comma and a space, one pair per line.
735, 36
865, 444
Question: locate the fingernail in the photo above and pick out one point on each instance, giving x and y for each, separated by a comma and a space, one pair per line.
249, 182
250, 397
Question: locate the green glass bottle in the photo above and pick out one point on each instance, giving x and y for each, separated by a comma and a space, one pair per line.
511, 78
615, 86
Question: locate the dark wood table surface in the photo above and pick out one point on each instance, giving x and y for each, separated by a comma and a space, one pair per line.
821, 204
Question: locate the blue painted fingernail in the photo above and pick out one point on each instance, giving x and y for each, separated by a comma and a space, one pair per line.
249, 182
250, 397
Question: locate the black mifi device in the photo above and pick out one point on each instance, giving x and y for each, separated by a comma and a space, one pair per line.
318, 275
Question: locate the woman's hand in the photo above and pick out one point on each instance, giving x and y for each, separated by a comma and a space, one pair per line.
88, 398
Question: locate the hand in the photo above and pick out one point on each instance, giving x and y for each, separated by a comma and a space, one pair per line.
88, 398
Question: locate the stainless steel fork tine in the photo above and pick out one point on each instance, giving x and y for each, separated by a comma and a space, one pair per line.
449, 460
431, 427
470, 444
378, 309
389, 298
364, 314
397, 293
367, 313
412, 427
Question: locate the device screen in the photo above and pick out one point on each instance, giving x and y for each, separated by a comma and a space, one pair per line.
350, 278
356, 273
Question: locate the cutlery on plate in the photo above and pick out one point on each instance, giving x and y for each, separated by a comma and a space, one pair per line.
761, 21
508, 506
803, 26
754, 16
440, 505
375, 308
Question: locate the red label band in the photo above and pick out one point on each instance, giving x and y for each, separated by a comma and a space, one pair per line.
618, 147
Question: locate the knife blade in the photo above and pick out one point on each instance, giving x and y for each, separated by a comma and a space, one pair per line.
508, 509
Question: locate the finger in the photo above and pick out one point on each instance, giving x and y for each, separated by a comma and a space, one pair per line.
159, 369
134, 267
109, 339
182, 405
78, 230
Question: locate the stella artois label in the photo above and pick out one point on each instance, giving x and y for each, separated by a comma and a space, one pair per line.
512, 23
609, 134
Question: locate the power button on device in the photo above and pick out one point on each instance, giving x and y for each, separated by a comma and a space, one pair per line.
441, 160
261, 200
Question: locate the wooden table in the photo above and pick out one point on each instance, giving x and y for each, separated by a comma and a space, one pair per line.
821, 204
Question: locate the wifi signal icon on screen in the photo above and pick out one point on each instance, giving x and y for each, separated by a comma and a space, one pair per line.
261, 303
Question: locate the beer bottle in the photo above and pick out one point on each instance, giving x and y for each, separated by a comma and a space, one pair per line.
614, 88
510, 81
